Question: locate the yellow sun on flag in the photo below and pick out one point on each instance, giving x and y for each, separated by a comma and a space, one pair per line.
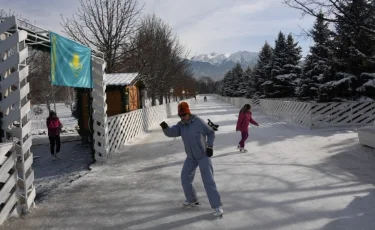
76, 65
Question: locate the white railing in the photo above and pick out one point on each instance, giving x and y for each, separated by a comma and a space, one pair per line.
15, 123
290, 111
310, 114
239, 101
342, 114
8, 182
124, 127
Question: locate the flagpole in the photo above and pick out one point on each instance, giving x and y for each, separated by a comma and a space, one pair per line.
53, 98
53, 95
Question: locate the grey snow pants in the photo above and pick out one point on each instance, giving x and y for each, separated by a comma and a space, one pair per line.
207, 173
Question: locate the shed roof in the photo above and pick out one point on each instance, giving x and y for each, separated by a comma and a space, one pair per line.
121, 79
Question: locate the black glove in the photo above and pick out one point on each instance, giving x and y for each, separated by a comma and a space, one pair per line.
209, 151
164, 125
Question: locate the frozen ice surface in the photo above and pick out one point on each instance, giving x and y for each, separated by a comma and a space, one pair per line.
290, 178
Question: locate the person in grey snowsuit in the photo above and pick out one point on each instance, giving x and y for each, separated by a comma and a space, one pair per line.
198, 140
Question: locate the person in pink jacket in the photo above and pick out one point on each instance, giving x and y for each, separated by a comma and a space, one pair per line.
244, 119
54, 127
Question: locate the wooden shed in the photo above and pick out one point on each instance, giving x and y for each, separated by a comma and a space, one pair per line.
123, 93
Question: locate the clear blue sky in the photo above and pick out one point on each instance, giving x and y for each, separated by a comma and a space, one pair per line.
205, 26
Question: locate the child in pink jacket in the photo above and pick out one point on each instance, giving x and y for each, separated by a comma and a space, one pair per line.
244, 119
54, 127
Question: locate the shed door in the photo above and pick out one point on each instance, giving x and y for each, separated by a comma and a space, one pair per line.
114, 103
133, 98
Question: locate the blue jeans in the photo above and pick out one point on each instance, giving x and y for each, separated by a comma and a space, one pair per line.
207, 172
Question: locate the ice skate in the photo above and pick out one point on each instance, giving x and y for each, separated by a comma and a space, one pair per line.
55, 157
243, 150
219, 211
190, 204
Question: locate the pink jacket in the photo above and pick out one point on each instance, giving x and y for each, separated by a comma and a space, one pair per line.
244, 119
54, 126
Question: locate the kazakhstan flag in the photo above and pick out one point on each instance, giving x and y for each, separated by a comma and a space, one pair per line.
70, 63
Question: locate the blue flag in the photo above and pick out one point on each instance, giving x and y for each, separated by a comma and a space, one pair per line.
70, 63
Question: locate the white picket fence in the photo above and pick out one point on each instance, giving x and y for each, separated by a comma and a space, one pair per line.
312, 115
125, 127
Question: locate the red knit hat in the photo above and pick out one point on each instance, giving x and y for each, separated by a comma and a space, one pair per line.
183, 108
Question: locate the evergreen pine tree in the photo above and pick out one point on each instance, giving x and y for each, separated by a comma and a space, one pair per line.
317, 65
285, 68
279, 58
228, 87
293, 52
223, 87
250, 81
293, 67
239, 82
262, 71
354, 49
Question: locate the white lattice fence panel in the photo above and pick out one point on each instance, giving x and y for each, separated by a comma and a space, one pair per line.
255, 103
343, 114
125, 127
8, 181
15, 105
239, 101
290, 111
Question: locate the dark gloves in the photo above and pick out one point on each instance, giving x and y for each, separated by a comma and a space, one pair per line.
209, 151
164, 125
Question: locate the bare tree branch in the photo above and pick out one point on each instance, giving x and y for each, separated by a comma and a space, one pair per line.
105, 25
331, 9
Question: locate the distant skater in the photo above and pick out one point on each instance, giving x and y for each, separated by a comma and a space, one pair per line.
205, 99
243, 122
54, 127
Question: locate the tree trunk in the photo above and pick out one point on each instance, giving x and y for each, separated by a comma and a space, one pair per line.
153, 100
161, 98
48, 103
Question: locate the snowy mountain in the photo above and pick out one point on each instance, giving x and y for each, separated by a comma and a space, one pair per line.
212, 58
216, 65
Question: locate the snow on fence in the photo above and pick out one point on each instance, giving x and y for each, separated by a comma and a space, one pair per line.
8, 181
124, 127
313, 115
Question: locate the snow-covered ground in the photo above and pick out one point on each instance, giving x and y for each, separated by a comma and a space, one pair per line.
63, 112
75, 158
291, 178
51, 174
